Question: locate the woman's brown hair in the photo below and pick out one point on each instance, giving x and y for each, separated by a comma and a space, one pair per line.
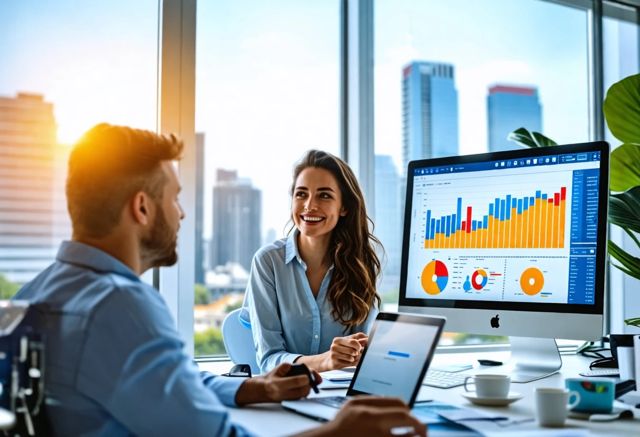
352, 291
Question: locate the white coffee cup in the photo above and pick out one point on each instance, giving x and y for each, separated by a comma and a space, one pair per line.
489, 386
552, 405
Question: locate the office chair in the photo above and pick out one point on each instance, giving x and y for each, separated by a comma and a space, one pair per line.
238, 340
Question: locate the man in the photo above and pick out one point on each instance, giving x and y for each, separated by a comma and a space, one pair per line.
115, 362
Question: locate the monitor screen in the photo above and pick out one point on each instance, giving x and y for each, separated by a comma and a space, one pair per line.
522, 230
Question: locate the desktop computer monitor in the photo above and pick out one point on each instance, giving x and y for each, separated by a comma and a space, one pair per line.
510, 243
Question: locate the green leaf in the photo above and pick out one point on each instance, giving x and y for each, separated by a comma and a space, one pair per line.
622, 109
633, 322
624, 209
625, 167
530, 139
628, 263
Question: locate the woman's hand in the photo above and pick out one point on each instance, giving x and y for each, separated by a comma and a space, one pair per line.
345, 351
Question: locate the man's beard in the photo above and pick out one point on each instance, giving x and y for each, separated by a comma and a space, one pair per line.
159, 247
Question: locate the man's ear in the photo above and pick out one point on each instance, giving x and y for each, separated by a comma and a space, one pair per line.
141, 208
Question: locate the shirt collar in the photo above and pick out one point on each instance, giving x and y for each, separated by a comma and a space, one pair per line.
80, 254
291, 250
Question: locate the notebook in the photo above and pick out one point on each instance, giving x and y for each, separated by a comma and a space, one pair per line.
394, 363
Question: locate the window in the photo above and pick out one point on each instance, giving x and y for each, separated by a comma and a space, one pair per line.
456, 77
67, 65
620, 59
267, 90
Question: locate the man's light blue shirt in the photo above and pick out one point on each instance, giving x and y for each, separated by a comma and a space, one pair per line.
287, 320
115, 364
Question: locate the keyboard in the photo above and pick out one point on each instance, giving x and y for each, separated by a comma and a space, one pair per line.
331, 401
440, 379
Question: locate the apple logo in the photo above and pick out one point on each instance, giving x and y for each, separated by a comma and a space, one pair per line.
495, 321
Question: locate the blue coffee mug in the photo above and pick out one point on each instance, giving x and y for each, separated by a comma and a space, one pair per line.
596, 395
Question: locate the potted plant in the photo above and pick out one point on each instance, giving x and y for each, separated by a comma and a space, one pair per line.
622, 114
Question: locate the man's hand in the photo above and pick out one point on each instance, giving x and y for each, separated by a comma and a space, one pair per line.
275, 386
372, 416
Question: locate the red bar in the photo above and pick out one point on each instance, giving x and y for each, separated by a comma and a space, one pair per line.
463, 224
550, 200
563, 193
556, 199
469, 219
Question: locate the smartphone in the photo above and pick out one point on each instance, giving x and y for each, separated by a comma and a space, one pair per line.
302, 369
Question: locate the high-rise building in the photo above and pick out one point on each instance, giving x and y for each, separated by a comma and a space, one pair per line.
236, 220
509, 108
388, 218
429, 111
199, 209
33, 216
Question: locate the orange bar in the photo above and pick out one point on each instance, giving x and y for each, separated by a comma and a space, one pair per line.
544, 242
512, 230
563, 218
550, 224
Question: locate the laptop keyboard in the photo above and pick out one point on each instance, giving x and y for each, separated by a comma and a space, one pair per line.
440, 379
331, 401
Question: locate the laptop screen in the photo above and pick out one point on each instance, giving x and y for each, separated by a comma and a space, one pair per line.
397, 356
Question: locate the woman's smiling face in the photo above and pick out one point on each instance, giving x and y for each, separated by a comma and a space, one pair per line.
316, 205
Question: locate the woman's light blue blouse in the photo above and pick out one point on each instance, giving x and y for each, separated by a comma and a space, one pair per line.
287, 321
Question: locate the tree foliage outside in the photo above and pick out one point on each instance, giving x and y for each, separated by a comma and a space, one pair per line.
7, 288
209, 342
201, 295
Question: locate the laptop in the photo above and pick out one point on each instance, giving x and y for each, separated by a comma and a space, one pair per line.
394, 363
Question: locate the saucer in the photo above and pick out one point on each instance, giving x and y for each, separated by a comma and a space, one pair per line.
493, 402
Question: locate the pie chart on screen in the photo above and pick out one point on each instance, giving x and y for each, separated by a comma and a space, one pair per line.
532, 281
434, 277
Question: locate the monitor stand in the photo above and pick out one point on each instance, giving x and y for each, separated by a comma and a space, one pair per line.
533, 358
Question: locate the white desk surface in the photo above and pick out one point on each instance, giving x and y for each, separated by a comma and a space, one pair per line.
273, 420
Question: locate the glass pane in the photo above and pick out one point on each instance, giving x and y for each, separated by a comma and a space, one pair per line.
456, 77
56, 81
620, 48
267, 90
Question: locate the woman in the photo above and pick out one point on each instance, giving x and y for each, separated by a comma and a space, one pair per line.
311, 296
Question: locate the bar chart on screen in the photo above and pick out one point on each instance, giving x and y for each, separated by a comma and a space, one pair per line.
517, 222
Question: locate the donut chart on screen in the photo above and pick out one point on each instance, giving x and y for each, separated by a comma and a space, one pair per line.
532, 281
479, 279
435, 277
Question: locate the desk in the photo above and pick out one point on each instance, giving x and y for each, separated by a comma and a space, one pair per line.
272, 420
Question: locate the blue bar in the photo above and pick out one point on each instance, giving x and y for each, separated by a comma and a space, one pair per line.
519, 206
538, 194
454, 219
531, 201
514, 203
399, 354
544, 196
459, 214
485, 222
433, 229
491, 210
447, 226
502, 209
437, 226
496, 210
473, 222
427, 233
508, 205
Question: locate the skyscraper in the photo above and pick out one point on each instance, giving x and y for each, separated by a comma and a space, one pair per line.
236, 220
509, 108
429, 111
32, 206
388, 218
